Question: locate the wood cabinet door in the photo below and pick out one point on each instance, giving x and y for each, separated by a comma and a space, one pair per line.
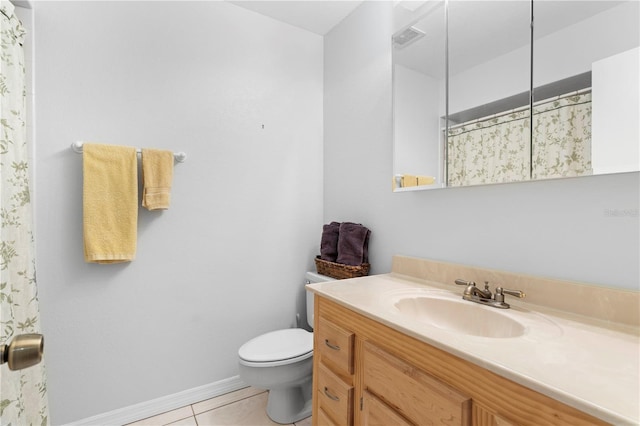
416, 395
377, 413
324, 420
484, 417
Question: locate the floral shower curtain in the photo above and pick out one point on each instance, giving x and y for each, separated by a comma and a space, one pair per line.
497, 149
23, 396
562, 137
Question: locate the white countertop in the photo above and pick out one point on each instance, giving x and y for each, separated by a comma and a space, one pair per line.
587, 365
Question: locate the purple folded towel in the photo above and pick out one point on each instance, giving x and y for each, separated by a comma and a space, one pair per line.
353, 244
329, 242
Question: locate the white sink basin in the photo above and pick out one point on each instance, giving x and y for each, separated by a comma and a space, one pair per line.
448, 311
460, 316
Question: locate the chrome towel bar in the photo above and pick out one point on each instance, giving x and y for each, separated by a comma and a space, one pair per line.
180, 157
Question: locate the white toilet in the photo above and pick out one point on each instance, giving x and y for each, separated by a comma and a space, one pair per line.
282, 362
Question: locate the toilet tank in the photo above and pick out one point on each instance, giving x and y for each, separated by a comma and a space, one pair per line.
313, 277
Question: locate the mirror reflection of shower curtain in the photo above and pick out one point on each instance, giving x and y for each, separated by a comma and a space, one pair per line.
490, 150
496, 149
23, 396
562, 137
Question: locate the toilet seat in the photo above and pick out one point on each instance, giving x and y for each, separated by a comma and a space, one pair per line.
278, 347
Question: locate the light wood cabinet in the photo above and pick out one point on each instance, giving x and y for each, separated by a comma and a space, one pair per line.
366, 373
412, 393
324, 419
335, 396
377, 413
335, 346
333, 373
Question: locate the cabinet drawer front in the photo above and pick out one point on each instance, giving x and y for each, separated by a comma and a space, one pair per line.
418, 396
335, 397
377, 413
324, 419
336, 344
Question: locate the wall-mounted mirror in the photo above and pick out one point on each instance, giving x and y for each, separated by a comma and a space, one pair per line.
489, 79
419, 94
586, 88
578, 74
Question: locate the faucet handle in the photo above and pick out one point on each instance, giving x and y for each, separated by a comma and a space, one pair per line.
464, 282
516, 293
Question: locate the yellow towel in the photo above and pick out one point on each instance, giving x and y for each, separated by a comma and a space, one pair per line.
409, 180
426, 180
110, 203
157, 174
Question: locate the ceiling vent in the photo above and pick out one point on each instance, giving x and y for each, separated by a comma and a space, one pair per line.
406, 37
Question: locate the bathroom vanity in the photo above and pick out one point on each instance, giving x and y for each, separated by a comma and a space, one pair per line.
394, 349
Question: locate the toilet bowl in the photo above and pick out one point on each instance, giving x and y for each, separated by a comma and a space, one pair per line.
281, 361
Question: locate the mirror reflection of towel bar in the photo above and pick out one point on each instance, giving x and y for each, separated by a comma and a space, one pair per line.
180, 157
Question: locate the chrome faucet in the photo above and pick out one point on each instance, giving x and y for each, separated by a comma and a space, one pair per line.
484, 297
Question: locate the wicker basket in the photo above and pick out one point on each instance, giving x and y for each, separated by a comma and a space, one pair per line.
340, 271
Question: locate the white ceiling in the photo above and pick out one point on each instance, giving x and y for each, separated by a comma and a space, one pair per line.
317, 16
481, 30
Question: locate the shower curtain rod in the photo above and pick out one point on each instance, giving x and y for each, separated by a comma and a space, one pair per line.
562, 96
522, 108
180, 157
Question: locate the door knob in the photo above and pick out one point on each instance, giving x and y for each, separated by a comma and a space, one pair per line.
24, 351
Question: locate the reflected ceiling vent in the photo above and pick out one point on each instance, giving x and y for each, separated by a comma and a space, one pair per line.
406, 37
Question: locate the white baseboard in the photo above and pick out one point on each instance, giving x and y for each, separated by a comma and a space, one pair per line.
161, 405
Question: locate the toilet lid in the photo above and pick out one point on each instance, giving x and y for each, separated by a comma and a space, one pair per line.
277, 345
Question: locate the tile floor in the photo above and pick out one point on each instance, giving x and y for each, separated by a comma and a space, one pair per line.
246, 407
